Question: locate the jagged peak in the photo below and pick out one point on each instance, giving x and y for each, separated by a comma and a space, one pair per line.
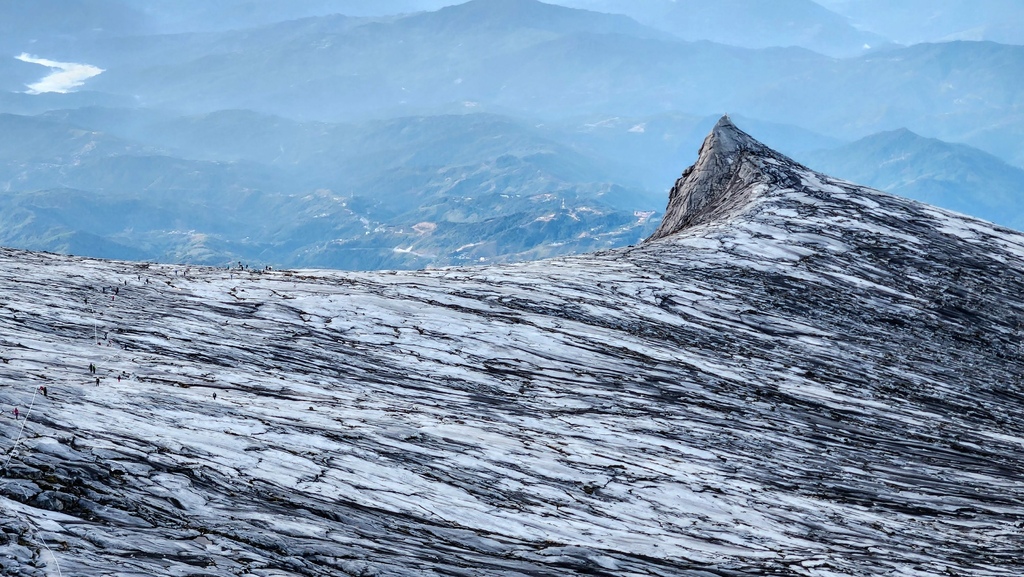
729, 166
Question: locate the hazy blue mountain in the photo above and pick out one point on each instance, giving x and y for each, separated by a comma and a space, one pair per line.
953, 176
169, 227
748, 23
15, 101
642, 151
128, 123
823, 25
54, 23
592, 73
338, 68
398, 193
28, 139
758, 24
648, 11
1001, 137
42, 153
525, 57
201, 15
507, 15
915, 21
54, 220
341, 133
329, 154
647, 149
534, 59
331, 70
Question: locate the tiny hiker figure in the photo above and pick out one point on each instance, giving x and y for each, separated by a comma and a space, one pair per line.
97, 380
215, 395
15, 413
42, 389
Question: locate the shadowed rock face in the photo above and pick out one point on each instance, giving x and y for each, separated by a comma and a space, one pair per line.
800, 376
730, 170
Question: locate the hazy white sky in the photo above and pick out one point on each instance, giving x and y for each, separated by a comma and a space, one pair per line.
64, 77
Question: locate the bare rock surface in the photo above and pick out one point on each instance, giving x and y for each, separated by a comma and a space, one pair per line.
795, 376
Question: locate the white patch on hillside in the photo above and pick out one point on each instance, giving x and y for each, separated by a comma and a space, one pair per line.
65, 76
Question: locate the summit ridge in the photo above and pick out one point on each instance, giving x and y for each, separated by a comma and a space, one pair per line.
730, 166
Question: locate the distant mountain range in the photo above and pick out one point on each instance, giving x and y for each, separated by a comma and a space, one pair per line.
748, 23
916, 21
953, 176
526, 58
341, 133
401, 193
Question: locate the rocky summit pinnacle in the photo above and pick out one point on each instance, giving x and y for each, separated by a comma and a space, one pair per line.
730, 166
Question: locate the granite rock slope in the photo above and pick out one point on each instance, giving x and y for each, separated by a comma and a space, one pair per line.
795, 376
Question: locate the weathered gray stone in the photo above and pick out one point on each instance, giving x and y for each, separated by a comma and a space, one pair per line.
19, 489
